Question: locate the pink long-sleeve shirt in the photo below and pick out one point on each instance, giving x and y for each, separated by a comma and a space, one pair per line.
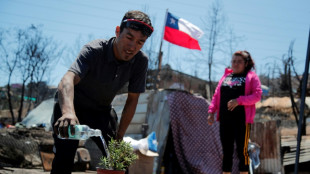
253, 93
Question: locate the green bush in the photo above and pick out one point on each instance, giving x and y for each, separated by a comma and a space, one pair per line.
121, 156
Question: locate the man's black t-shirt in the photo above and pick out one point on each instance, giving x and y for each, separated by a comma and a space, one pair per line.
102, 76
232, 87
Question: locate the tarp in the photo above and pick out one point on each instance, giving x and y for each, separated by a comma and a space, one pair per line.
197, 144
265, 90
41, 115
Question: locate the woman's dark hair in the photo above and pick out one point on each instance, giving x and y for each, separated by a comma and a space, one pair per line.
137, 20
247, 59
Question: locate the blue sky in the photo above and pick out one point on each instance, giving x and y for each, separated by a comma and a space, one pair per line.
266, 28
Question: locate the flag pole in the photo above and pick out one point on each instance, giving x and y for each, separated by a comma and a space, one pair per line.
162, 36
302, 105
160, 54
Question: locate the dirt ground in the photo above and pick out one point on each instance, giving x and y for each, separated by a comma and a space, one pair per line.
293, 131
279, 108
25, 142
288, 126
9, 170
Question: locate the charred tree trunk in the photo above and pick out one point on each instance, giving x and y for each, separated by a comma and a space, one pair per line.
289, 62
294, 106
10, 103
20, 111
30, 89
210, 82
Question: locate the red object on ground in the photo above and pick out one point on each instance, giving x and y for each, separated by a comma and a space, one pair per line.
104, 171
10, 126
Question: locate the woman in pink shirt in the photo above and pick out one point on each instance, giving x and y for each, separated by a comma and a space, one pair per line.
234, 104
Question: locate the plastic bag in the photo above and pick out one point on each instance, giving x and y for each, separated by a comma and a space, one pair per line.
147, 146
254, 150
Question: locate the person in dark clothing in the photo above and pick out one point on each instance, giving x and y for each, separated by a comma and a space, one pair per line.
86, 91
234, 102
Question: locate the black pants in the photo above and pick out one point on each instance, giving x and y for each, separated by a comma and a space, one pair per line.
105, 120
231, 132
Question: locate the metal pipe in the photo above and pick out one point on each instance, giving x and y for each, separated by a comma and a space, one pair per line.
302, 105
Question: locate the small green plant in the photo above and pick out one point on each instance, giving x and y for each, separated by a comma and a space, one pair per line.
121, 156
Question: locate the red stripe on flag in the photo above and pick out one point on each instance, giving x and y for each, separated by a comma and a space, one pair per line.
180, 38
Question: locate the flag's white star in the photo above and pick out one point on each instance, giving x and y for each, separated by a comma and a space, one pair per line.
172, 21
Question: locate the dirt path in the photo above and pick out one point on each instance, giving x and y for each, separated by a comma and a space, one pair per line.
293, 130
9, 170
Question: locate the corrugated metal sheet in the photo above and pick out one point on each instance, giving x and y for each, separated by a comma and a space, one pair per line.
291, 142
267, 135
139, 118
158, 117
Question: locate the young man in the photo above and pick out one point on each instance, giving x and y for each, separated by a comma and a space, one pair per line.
86, 91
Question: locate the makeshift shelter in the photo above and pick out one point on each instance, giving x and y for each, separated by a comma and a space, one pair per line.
180, 122
40, 116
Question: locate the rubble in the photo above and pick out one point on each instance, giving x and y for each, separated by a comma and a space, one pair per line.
20, 147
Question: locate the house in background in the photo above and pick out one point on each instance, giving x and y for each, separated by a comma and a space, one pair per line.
172, 79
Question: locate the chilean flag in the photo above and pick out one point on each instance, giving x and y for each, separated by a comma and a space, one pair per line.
181, 32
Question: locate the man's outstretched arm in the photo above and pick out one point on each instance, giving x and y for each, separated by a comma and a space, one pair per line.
65, 96
127, 114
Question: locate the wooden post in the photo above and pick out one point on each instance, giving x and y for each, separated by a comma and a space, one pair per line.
160, 55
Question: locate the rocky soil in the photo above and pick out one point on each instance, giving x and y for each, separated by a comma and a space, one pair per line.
20, 147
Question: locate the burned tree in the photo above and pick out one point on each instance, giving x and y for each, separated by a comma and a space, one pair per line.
29, 57
287, 84
10, 51
215, 25
36, 59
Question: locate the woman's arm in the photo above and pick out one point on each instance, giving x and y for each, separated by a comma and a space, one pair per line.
213, 105
256, 94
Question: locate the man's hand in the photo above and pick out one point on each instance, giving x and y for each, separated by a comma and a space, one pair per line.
62, 124
232, 104
211, 118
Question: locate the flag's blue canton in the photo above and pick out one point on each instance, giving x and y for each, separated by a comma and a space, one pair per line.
172, 21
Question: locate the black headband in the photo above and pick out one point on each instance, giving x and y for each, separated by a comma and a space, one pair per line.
138, 25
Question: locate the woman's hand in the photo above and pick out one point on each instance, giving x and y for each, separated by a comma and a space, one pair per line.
211, 118
232, 104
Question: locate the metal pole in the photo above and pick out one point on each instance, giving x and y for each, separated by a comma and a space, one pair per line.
302, 105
